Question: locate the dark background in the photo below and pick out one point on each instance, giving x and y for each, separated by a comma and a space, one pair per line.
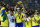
28, 4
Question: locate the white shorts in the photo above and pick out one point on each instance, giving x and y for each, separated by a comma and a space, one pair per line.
12, 24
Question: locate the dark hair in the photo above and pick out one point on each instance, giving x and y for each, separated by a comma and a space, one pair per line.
26, 13
12, 10
7, 9
31, 13
20, 7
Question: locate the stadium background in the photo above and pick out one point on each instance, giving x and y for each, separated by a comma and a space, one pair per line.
29, 4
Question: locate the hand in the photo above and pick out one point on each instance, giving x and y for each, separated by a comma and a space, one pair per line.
16, 4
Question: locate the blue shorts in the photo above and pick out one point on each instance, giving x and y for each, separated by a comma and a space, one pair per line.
36, 26
19, 24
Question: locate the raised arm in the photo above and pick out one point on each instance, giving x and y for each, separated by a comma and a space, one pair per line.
15, 8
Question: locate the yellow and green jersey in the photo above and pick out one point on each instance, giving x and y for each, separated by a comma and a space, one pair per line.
0, 17
28, 24
34, 21
19, 18
4, 19
37, 18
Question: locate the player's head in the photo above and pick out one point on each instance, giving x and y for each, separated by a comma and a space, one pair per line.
36, 12
19, 9
27, 14
3, 4
7, 5
31, 14
11, 12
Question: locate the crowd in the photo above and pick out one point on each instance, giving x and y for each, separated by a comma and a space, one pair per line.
18, 16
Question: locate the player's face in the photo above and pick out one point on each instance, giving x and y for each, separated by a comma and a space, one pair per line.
7, 5
11, 13
19, 10
35, 12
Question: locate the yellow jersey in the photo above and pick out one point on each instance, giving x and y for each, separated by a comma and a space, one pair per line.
34, 23
28, 24
37, 18
18, 20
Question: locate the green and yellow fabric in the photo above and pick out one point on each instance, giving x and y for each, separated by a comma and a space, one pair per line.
4, 18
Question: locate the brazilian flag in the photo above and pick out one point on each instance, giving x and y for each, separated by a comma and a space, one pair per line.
4, 18
3, 14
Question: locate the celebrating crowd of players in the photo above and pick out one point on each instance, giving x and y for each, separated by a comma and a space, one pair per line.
18, 16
